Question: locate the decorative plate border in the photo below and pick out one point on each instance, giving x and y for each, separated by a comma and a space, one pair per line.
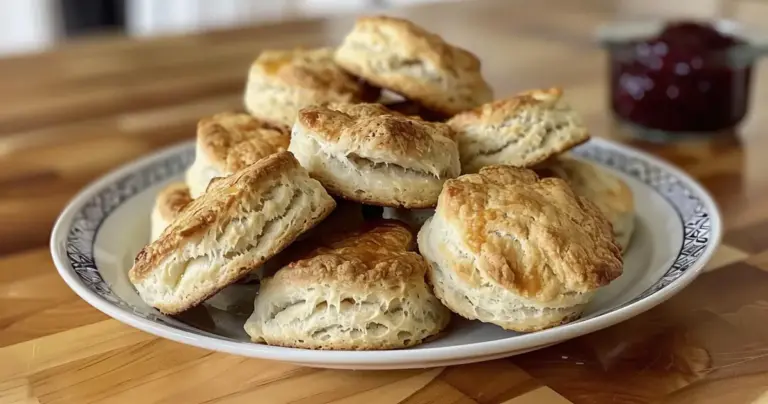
85, 225
81, 235
693, 212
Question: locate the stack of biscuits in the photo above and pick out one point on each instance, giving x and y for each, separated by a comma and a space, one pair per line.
485, 214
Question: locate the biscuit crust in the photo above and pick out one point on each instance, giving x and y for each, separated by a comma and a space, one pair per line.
606, 190
237, 225
230, 141
521, 131
356, 291
233, 140
281, 82
400, 56
369, 154
526, 252
169, 202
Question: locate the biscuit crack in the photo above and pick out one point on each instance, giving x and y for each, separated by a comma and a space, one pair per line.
362, 163
283, 307
408, 66
550, 131
497, 150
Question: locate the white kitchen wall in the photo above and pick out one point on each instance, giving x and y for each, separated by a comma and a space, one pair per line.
27, 25
150, 17
33, 25
153, 17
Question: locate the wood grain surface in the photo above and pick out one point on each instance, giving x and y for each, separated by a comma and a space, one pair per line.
70, 115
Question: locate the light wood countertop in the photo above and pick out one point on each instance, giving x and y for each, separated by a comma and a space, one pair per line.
72, 114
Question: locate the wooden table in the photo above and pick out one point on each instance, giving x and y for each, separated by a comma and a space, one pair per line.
70, 115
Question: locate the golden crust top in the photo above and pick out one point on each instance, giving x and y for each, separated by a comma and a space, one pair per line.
380, 253
607, 191
418, 42
499, 111
522, 131
533, 236
372, 132
309, 69
233, 141
398, 55
214, 208
173, 199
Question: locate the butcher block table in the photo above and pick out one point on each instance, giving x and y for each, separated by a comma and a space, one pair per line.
70, 115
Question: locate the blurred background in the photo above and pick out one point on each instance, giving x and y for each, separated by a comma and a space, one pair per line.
35, 25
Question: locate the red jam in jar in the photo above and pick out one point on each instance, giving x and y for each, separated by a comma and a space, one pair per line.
688, 78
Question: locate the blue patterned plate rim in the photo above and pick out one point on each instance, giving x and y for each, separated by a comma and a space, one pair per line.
72, 251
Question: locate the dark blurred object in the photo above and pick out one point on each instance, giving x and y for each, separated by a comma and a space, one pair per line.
411, 108
692, 78
371, 212
83, 17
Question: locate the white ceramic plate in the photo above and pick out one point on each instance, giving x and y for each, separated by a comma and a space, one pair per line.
99, 233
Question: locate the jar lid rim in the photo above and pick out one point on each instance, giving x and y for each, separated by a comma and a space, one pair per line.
622, 31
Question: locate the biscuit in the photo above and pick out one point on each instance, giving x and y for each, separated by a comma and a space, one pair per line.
369, 154
229, 141
521, 131
281, 82
359, 291
168, 203
400, 56
233, 228
524, 253
606, 190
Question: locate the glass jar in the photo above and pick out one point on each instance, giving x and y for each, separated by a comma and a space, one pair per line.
677, 79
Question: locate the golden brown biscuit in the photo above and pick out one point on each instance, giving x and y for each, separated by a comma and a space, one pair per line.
168, 203
358, 291
400, 56
521, 131
607, 191
366, 153
281, 82
229, 141
232, 229
517, 251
